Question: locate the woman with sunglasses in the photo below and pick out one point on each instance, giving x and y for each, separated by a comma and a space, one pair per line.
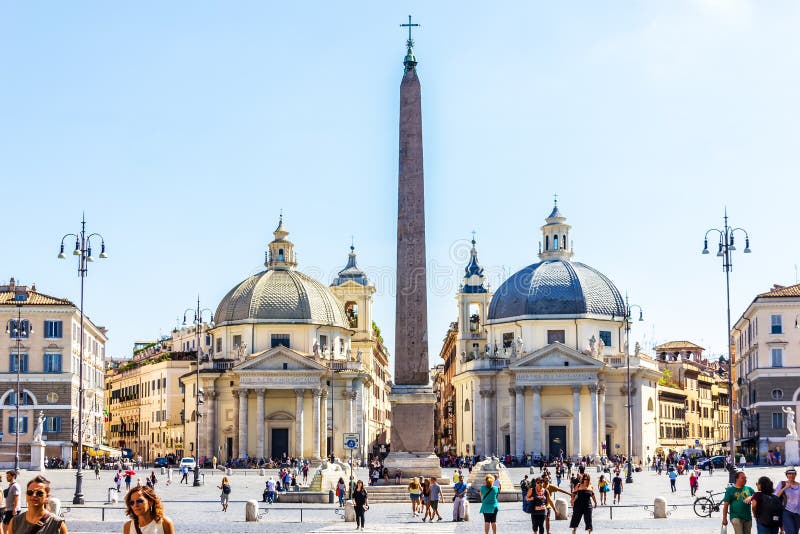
582, 499
37, 519
144, 508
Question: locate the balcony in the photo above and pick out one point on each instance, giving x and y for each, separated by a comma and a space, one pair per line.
223, 365
482, 363
342, 365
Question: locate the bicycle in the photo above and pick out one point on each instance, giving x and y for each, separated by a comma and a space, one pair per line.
705, 506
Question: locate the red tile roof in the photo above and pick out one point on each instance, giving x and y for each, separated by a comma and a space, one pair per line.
781, 291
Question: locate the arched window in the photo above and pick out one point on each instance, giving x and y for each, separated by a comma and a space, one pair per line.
555, 242
547, 242
351, 310
650, 405
280, 254
564, 242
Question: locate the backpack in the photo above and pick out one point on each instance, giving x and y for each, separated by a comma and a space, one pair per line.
770, 510
226, 489
527, 506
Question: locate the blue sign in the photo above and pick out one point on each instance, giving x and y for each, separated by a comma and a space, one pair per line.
350, 444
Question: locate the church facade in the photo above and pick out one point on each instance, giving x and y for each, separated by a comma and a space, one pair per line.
541, 363
293, 366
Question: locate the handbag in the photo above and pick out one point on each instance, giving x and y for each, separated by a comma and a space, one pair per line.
723, 529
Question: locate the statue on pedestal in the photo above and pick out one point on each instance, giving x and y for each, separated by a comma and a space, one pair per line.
791, 426
37, 433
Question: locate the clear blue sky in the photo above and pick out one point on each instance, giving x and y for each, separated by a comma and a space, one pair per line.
182, 128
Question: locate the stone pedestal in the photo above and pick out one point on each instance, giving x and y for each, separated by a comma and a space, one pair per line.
792, 453
37, 457
660, 508
251, 511
412, 442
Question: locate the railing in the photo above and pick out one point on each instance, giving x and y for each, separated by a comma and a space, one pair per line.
614, 361
223, 365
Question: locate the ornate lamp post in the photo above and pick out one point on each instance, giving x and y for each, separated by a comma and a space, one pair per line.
629, 475
726, 246
197, 321
18, 330
83, 249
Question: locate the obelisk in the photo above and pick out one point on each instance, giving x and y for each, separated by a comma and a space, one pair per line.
411, 396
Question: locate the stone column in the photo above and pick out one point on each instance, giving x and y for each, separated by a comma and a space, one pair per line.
211, 424
595, 417
235, 451
576, 421
512, 420
537, 419
520, 422
488, 446
243, 422
260, 422
477, 419
601, 407
324, 421
317, 393
299, 423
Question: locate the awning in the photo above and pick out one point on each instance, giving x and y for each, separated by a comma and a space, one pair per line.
102, 450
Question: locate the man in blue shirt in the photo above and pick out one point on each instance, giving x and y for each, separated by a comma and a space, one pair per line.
460, 500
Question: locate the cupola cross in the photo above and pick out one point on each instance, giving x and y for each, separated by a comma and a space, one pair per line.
409, 26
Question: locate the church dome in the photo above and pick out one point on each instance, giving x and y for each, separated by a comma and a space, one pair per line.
556, 287
281, 296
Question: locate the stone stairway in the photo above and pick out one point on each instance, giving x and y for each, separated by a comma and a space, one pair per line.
399, 494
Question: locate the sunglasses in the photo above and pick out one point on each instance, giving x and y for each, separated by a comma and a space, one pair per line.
136, 501
38, 493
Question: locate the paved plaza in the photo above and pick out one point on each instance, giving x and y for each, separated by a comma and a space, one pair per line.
197, 509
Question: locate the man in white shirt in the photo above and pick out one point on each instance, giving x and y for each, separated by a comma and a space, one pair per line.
12, 495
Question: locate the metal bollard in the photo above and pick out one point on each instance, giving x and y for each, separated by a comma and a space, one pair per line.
330, 497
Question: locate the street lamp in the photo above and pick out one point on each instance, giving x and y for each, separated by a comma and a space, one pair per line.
18, 330
726, 246
83, 249
197, 321
629, 475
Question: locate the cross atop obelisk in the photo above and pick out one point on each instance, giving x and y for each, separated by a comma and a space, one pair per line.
411, 397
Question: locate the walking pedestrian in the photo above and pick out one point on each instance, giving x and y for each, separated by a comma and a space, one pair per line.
341, 491
97, 470
414, 491
616, 485
459, 501
789, 490
489, 504
36, 518
434, 493
673, 477
144, 508
552, 490
13, 495
127, 481
694, 481
583, 502
184, 474
425, 497
540, 501
225, 493
602, 486
361, 499
766, 508
734, 502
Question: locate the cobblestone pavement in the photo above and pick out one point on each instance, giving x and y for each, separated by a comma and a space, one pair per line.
197, 509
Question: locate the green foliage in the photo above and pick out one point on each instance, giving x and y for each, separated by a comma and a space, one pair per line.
377, 331
666, 380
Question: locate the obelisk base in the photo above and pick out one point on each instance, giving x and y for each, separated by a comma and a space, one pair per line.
412, 433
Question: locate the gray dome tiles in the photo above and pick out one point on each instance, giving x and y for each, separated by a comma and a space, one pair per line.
281, 296
556, 287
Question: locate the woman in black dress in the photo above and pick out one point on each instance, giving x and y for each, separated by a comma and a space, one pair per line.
361, 504
582, 499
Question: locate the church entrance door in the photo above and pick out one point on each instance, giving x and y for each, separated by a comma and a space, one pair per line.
558, 441
279, 443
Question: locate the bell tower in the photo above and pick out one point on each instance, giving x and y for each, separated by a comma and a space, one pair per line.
280, 255
473, 306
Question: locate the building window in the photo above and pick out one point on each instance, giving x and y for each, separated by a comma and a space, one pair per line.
52, 423
777, 324
605, 336
555, 335
25, 399
351, 310
208, 340
777, 420
777, 394
19, 330
53, 329
219, 345
23, 424
323, 342
12, 363
52, 363
777, 357
237, 341
508, 340
280, 340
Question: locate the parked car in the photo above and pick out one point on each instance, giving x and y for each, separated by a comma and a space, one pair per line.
188, 462
160, 462
717, 461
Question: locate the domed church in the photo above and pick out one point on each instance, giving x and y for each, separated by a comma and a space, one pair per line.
294, 365
541, 366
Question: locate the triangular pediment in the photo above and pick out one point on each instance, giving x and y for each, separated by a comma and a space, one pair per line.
279, 359
556, 356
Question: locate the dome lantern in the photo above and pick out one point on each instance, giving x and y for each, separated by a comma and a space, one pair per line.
280, 255
555, 237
